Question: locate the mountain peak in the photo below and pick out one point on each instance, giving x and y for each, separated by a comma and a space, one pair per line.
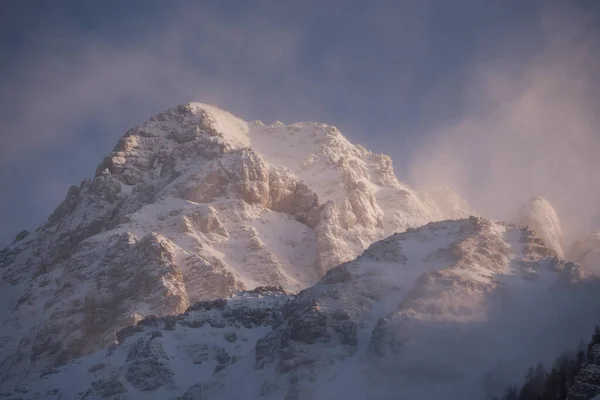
538, 214
192, 205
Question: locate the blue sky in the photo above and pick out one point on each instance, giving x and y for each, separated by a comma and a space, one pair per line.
498, 99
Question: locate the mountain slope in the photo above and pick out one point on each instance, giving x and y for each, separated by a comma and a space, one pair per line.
193, 204
448, 310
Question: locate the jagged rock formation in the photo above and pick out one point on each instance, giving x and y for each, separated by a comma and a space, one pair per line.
192, 205
538, 214
449, 310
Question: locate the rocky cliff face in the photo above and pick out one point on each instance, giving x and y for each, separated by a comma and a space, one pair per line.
193, 205
448, 310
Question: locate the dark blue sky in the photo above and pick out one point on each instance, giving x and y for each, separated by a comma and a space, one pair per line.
423, 81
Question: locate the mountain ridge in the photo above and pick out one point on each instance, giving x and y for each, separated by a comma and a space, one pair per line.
359, 332
193, 204
210, 257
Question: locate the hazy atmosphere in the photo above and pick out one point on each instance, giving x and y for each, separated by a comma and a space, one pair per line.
498, 100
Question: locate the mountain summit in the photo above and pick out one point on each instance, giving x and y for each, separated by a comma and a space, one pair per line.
538, 214
192, 205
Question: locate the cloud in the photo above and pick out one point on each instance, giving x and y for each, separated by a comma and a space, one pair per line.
70, 95
71, 92
530, 127
385, 74
64, 78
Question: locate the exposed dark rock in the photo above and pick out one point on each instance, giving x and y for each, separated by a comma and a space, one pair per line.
194, 392
108, 388
20, 236
147, 366
231, 337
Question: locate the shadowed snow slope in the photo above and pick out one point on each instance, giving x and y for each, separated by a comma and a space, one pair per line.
453, 310
192, 205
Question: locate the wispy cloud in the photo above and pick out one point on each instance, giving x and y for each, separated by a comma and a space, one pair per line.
71, 95
62, 79
373, 70
531, 127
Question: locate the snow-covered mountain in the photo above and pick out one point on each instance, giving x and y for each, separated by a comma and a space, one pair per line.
193, 205
453, 310
174, 274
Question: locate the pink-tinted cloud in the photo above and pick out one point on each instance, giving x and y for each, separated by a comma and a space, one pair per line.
531, 127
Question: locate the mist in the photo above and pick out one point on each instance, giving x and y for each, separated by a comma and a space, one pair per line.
70, 94
530, 128
499, 103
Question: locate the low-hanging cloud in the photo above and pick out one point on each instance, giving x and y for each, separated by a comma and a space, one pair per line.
530, 128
